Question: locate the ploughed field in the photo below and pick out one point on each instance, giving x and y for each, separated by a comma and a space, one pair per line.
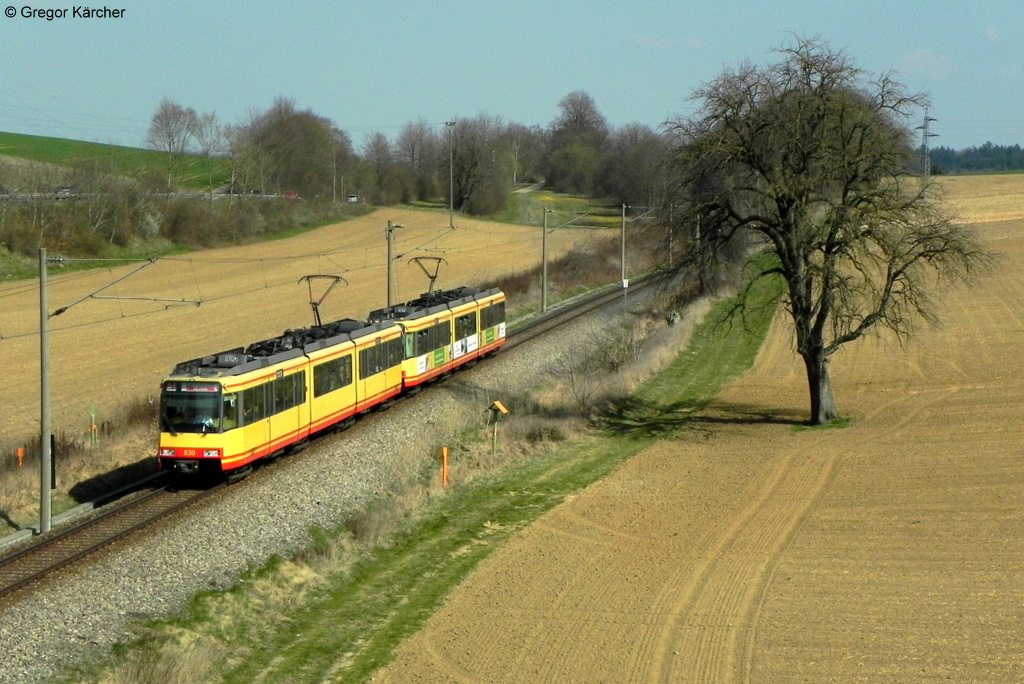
746, 549
112, 348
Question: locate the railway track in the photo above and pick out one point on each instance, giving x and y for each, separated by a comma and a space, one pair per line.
547, 322
63, 547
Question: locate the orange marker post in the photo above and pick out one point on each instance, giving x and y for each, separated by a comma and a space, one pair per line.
21, 456
444, 466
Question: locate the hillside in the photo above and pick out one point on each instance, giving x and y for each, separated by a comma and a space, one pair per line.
76, 156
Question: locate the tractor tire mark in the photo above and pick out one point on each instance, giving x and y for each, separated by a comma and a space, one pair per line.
712, 611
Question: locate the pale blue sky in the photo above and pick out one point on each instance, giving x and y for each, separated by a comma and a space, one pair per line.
375, 66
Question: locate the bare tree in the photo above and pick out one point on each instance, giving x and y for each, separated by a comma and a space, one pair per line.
811, 158
250, 165
580, 116
527, 145
580, 370
578, 137
298, 146
170, 131
635, 166
417, 149
209, 137
378, 154
481, 165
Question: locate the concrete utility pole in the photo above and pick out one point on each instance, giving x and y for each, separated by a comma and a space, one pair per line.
451, 176
626, 283
392, 281
544, 255
544, 264
45, 452
47, 479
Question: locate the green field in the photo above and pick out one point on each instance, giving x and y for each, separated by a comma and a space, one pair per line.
129, 162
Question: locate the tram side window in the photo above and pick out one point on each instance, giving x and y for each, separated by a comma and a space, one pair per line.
493, 315
332, 375
465, 326
394, 352
289, 391
369, 362
434, 337
254, 404
230, 412
380, 357
444, 334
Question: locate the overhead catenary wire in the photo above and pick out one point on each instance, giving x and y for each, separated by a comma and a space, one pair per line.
62, 309
169, 303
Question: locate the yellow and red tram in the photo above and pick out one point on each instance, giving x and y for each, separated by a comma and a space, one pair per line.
221, 413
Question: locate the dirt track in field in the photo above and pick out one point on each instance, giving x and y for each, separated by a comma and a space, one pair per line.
104, 351
748, 550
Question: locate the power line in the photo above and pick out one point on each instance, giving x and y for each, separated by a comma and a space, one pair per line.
330, 256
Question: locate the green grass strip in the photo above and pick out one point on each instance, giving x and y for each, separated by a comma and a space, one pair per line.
360, 620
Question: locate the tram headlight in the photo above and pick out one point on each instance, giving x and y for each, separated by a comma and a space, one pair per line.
167, 452
211, 453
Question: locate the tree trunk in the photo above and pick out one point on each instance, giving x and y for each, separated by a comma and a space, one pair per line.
823, 405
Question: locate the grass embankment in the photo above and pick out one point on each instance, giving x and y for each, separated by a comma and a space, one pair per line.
339, 611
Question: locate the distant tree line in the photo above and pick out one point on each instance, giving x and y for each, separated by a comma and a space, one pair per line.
471, 162
285, 150
988, 158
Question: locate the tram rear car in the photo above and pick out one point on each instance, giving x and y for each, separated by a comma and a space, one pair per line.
445, 330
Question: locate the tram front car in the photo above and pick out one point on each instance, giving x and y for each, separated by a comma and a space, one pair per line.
197, 419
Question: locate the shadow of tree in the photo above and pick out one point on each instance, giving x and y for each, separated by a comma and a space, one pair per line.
727, 413
637, 417
633, 416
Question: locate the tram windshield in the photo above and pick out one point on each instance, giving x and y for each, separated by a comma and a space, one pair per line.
192, 407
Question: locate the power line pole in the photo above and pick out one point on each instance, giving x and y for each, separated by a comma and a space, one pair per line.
45, 451
622, 258
544, 264
625, 282
392, 279
451, 176
925, 135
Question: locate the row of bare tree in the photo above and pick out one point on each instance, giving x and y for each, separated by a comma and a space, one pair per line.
471, 162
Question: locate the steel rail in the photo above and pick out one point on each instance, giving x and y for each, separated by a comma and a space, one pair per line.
568, 312
70, 544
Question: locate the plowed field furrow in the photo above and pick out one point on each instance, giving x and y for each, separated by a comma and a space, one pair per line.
729, 588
